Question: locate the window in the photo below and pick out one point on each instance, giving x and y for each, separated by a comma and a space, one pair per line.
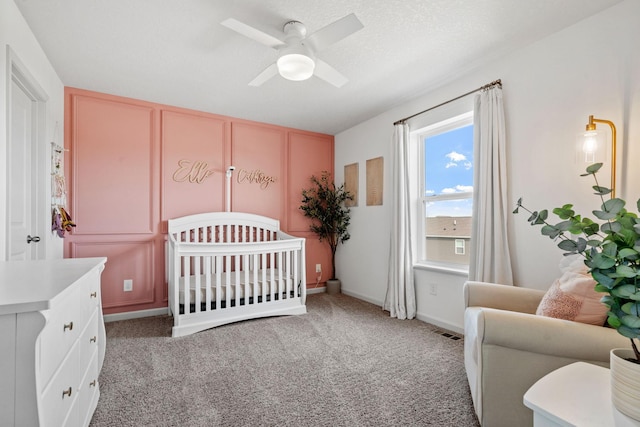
445, 190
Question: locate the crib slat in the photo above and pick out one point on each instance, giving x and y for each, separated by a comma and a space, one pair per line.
227, 280
254, 281
280, 268
207, 280
196, 276
294, 260
218, 281
186, 269
236, 279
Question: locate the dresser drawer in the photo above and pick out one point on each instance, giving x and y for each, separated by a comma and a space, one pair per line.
89, 394
92, 291
89, 341
59, 396
63, 328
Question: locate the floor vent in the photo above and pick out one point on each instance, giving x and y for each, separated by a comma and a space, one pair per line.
450, 336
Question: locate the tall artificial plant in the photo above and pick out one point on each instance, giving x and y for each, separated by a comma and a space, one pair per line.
324, 203
611, 250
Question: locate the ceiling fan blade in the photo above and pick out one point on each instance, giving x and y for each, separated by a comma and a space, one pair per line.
329, 74
268, 72
334, 32
252, 33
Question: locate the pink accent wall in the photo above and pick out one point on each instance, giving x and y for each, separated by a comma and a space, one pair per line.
132, 165
259, 181
193, 151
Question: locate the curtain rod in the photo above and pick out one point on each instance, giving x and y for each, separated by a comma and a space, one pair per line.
487, 86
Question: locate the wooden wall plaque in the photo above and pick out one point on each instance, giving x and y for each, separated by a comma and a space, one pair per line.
351, 183
375, 179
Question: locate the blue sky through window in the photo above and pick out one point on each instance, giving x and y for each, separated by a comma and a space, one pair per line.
448, 170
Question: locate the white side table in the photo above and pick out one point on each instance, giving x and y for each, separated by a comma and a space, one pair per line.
575, 395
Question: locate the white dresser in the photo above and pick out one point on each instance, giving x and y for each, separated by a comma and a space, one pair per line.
52, 341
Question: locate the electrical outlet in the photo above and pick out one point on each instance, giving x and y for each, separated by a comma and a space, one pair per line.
318, 268
433, 289
128, 285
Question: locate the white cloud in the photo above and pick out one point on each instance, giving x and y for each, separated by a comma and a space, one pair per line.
450, 165
468, 165
456, 157
458, 189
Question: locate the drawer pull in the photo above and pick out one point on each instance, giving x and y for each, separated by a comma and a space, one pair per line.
93, 294
66, 393
92, 339
68, 326
92, 383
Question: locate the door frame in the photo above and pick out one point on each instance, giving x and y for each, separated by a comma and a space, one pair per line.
17, 72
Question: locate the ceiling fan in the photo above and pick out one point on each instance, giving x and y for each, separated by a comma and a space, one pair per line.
297, 52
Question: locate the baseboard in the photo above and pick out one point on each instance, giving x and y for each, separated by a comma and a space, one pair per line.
440, 323
319, 290
362, 297
136, 314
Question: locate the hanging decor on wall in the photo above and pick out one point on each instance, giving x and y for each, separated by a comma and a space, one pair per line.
375, 179
61, 221
192, 171
256, 176
351, 183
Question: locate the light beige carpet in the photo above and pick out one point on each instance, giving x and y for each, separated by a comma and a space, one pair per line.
344, 363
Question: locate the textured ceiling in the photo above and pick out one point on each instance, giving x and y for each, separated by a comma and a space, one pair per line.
176, 52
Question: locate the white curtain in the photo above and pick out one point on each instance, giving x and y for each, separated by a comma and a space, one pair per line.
489, 255
401, 297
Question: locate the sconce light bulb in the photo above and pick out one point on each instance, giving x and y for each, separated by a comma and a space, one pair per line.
590, 146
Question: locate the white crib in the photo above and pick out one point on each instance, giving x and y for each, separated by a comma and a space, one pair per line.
224, 267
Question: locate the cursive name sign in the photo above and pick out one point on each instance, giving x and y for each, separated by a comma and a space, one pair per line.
192, 171
255, 177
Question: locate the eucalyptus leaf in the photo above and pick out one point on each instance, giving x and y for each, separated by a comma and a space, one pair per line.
591, 169
628, 253
601, 191
614, 321
631, 321
550, 230
625, 271
603, 279
568, 245
604, 215
632, 308
628, 332
602, 262
611, 227
624, 291
613, 205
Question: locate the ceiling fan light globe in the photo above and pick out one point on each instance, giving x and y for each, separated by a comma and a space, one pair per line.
295, 66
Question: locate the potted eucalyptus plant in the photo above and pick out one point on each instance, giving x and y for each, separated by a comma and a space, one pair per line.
323, 202
610, 246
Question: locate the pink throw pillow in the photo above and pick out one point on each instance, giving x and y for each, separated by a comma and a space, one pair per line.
572, 297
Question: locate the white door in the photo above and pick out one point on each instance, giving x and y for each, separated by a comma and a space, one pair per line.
22, 230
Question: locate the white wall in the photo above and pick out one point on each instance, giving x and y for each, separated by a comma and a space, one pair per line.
15, 34
550, 88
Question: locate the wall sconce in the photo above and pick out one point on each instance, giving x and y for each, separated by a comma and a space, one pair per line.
591, 145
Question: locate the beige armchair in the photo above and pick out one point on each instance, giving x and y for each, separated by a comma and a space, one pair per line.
507, 348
